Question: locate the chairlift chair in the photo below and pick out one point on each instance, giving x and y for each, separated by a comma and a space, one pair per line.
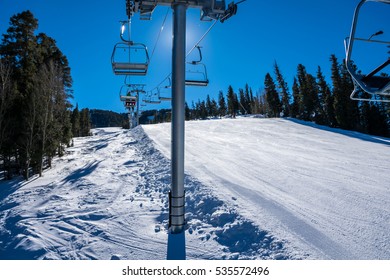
371, 83
196, 74
130, 58
165, 98
149, 100
152, 101
129, 101
125, 98
161, 93
130, 104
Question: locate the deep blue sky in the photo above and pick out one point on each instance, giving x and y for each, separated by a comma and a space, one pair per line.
241, 50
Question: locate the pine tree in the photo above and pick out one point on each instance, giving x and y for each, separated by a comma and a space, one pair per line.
19, 47
209, 108
40, 89
187, 112
272, 97
341, 98
352, 107
325, 99
312, 104
214, 108
295, 107
202, 110
242, 102
283, 90
232, 102
85, 122
222, 111
76, 128
5, 99
7, 119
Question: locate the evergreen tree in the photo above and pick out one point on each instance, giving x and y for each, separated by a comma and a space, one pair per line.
341, 98
352, 107
250, 106
5, 99
76, 127
7, 119
214, 110
209, 108
187, 112
283, 91
325, 99
312, 105
242, 102
19, 46
308, 95
232, 102
40, 89
202, 110
222, 105
272, 97
295, 107
85, 122
248, 99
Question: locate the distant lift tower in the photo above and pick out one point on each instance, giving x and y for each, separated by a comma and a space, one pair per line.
210, 10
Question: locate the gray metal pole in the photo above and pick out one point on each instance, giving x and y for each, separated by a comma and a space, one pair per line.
137, 124
177, 199
130, 120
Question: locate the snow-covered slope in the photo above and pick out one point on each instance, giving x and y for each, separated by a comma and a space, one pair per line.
324, 192
256, 189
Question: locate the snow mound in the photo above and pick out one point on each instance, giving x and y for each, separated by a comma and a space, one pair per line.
209, 218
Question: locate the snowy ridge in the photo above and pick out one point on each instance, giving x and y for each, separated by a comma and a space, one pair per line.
255, 189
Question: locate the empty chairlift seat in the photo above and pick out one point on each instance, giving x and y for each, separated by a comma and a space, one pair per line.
130, 59
374, 83
196, 75
196, 72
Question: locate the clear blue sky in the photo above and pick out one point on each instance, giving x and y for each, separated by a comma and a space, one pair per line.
241, 50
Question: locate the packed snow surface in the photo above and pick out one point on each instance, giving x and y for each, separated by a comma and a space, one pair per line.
255, 189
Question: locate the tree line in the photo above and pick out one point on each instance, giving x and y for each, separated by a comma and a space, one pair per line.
36, 117
311, 99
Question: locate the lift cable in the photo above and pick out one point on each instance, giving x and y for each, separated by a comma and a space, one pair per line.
159, 34
201, 38
239, 2
192, 49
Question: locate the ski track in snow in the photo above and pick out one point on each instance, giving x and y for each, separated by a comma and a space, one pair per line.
255, 189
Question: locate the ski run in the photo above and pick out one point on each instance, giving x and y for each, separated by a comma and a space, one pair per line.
255, 189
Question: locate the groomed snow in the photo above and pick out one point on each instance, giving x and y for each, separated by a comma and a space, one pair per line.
255, 189
324, 192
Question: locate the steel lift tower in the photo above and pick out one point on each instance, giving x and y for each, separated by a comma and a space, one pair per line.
210, 10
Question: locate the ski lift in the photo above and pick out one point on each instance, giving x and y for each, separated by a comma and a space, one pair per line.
149, 100
164, 92
125, 95
196, 74
129, 58
164, 98
371, 83
129, 101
